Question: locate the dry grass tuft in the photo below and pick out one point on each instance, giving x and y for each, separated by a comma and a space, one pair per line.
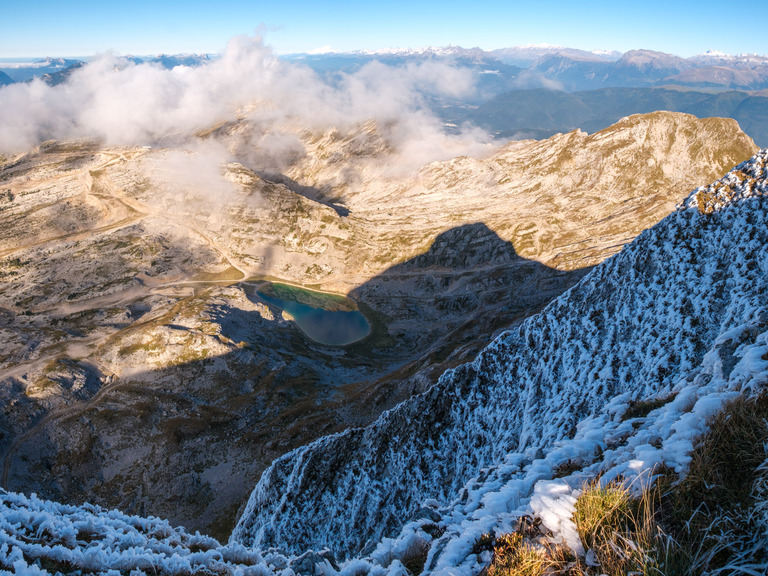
711, 512
703, 524
512, 556
714, 521
724, 465
415, 557
641, 408
602, 511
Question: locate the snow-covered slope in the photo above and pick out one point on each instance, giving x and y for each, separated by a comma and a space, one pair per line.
91, 539
680, 314
681, 306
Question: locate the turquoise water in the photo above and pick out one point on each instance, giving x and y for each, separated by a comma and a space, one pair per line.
329, 327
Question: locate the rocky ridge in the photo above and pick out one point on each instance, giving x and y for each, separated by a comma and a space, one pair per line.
679, 316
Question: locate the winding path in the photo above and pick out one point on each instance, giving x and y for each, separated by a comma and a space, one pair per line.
137, 211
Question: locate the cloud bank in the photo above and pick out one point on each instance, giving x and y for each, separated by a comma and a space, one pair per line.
120, 102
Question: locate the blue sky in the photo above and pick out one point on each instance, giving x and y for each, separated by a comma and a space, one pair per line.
82, 28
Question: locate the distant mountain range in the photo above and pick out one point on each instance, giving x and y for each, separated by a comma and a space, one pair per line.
169, 61
648, 68
536, 91
56, 70
539, 113
568, 68
525, 56
34, 68
576, 69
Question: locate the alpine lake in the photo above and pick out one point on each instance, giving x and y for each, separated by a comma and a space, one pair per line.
328, 319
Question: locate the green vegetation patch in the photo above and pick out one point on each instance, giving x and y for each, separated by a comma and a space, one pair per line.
153, 346
312, 298
230, 274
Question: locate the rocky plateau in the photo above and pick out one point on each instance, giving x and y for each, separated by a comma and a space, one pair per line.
141, 371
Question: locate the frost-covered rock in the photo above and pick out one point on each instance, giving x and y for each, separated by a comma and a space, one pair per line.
89, 539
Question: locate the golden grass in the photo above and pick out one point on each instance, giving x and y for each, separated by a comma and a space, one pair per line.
703, 524
512, 556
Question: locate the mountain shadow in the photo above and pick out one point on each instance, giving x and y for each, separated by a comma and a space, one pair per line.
188, 441
310, 192
469, 284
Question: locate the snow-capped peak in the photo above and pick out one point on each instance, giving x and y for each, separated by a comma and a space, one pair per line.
450, 50
714, 54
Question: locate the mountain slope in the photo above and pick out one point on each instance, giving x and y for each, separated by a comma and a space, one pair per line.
126, 289
681, 310
543, 196
681, 315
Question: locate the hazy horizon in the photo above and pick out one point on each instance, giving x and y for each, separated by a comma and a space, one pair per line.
325, 50
87, 28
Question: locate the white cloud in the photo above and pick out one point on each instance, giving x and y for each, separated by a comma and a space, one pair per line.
120, 102
530, 79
